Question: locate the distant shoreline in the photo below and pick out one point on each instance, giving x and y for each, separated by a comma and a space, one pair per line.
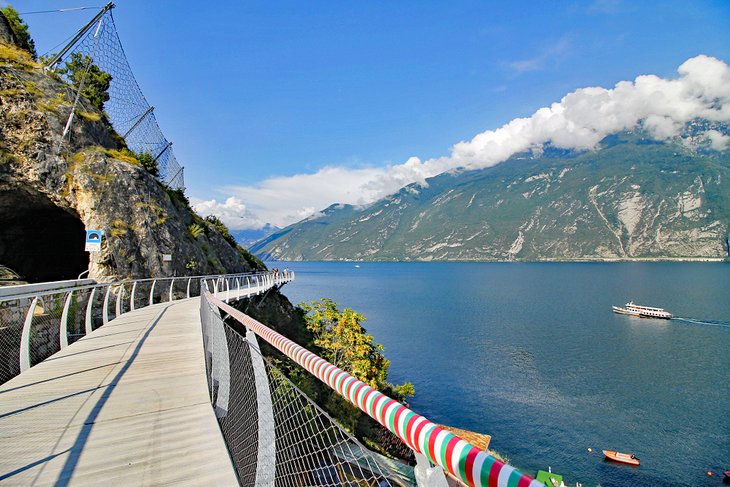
587, 260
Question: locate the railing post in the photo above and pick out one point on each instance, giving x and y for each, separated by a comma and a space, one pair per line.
426, 475
63, 325
238, 288
187, 291
89, 306
172, 286
120, 297
152, 293
105, 308
131, 297
24, 354
266, 458
228, 290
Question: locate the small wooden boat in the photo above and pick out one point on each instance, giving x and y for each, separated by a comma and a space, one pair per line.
621, 457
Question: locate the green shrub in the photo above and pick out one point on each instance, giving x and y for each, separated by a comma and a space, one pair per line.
178, 197
221, 227
20, 29
148, 162
195, 230
124, 155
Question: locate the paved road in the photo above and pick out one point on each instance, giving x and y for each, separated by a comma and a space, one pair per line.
126, 405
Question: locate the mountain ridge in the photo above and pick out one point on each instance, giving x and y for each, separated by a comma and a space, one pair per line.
634, 198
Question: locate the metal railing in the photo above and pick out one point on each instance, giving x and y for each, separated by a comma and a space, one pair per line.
37, 321
270, 446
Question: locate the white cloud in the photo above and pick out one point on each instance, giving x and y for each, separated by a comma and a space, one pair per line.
579, 121
718, 140
232, 212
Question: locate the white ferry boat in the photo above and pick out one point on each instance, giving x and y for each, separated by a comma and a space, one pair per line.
642, 311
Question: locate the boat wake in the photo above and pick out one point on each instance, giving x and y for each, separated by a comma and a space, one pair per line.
721, 324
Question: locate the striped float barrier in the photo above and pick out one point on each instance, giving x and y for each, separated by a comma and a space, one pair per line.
462, 459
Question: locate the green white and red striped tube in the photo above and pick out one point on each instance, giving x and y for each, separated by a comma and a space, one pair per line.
465, 461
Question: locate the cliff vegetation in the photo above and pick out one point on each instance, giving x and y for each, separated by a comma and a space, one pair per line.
54, 188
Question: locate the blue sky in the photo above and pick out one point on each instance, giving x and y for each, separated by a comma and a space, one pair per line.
256, 95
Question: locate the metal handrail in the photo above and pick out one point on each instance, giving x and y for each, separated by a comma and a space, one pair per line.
18, 312
460, 458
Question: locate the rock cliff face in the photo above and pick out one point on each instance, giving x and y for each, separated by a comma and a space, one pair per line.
53, 189
632, 198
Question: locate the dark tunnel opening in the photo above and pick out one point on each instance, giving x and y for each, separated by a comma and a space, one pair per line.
39, 240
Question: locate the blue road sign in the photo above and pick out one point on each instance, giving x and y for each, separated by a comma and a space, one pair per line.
93, 240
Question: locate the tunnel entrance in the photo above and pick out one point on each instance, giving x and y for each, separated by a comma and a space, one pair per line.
39, 240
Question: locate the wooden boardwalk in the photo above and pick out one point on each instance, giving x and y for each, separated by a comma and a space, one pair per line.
126, 405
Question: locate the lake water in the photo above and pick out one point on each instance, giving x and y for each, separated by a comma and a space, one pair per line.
531, 354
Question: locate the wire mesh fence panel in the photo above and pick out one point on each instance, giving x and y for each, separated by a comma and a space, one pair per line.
272, 429
239, 424
76, 315
178, 288
45, 327
163, 290
122, 304
113, 292
158, 292
94, 314
126, 107
193, 286
12, 317
141, 294
312, 445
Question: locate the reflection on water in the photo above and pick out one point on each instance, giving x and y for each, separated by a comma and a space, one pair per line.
533, 355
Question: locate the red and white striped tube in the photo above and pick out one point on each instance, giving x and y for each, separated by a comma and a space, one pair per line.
462, 459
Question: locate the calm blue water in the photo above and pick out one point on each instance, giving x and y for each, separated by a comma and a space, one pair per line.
531, 354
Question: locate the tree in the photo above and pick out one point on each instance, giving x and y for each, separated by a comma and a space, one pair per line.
216, 223
95, 83
345, 343
20, 29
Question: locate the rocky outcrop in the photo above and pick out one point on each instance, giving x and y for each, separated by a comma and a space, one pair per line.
7, 35
53, 188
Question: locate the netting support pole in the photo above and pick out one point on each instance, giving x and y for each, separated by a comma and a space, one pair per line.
57, 58
139, 121
169, 144
266, 458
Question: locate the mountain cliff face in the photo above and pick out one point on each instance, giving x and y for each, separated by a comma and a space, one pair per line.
632, 198
53, 189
